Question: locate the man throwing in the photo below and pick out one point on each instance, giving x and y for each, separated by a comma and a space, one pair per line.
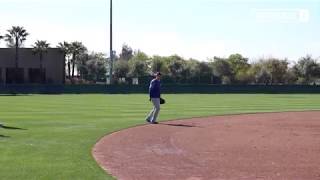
154, 92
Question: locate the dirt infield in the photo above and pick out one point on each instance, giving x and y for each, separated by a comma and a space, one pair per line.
254, 146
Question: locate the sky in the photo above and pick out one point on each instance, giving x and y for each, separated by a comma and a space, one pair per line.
198, 29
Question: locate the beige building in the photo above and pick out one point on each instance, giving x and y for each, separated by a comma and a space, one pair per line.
29, 67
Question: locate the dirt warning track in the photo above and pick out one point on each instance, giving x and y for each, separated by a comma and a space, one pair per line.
254, 146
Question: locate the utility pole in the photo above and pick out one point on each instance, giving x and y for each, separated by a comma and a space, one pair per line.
111, 50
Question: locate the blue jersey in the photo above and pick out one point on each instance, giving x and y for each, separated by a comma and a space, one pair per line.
154, 89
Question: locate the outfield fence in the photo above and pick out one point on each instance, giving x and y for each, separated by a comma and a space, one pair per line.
166, 88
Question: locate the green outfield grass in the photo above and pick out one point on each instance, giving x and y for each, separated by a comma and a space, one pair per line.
62, 129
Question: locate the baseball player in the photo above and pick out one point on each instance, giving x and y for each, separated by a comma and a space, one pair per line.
154, 93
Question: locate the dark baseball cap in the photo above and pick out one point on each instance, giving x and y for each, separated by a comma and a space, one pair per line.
157, 74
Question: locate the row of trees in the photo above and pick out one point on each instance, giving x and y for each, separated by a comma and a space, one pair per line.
235, 69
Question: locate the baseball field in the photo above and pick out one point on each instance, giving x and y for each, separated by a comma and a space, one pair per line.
52, 136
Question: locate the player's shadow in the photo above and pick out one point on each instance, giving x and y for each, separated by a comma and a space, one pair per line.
178, 125
11, 128
3, 136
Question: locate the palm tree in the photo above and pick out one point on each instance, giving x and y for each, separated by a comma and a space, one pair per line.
76, 49
65, 49
40, 47
1, 37
15, 38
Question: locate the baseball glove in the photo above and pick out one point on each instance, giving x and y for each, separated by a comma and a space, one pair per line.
162, 101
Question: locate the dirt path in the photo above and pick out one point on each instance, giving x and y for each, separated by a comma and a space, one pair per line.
254, 146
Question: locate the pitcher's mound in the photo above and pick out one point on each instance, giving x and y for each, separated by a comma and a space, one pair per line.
254, 146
